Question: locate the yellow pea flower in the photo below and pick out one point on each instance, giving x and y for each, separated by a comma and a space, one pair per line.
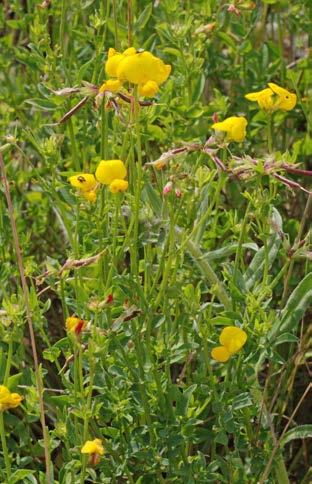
232, 340
84, 182
118, 185
149, 89
263, 98
286, 100
108, 170
143, 67
94, 448
235, 128
220, 353
75, 325
112, 85
273, 97
8, 399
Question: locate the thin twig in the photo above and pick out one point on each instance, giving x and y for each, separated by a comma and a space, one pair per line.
276, 447
19, 257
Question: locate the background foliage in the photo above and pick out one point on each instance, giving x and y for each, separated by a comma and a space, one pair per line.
142, 378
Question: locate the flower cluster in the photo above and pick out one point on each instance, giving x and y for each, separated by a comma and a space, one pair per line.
113, 174
273, 98
95, 449
270, 99
108, 172
8, 399
232, 339
141, 68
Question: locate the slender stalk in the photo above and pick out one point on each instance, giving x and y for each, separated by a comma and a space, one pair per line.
115, 25
292, 262
129, 18
5, 448
62, 26
270, 132
73, 145
138, 182
39, 382
9, 360
207, 270
240, 243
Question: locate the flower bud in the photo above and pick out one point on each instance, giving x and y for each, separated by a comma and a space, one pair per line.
167, 188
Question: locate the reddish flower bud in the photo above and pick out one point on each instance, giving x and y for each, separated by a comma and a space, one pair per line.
109, 299
215, 117
167, 188
178, 193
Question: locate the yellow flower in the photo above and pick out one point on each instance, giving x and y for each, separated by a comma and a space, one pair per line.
84, 182
112, 62
141, 68
8, 399
95, 449
118, 185
149, 89
90, 196
235, 128
112, 85
286, 100
263, 98
75, 325
220, 353
108, 170
232, 340
273, 97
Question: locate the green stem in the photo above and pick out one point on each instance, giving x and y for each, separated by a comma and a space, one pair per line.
73, 145
9, 360
137, 187
270, 132
5, 448
115, 25
62, 26
240, 243
104, 130
207, 270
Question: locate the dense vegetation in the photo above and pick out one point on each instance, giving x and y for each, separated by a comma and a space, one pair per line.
154, 311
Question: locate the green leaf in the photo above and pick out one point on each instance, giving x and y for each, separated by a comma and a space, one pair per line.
297, 304
150, 194
256, 267
19, 476
300, 432
144, 17
286, 338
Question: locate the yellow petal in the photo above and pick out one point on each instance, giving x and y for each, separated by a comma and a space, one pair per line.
264, 98
93, 447
118, 186
109, 170
220, 353
84, 182
90, 196
149, 89
234, 126
233, 338
112, 85
286, 100
143, 67
112, 63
